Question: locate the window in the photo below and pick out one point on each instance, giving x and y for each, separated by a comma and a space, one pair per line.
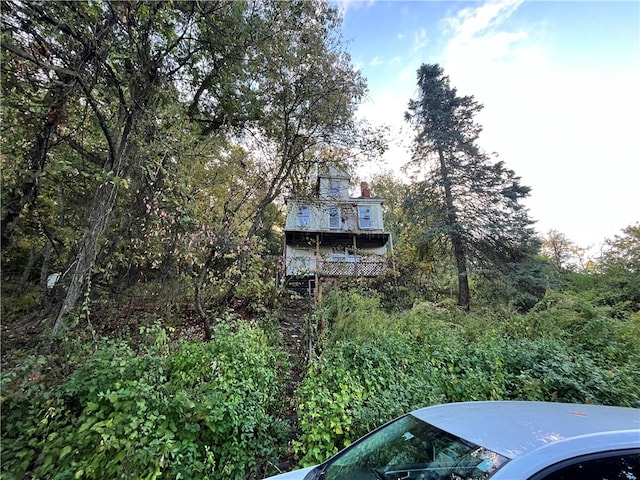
334, 189
334, 218
303, 216
604, 466
409, 448
352, 258
364, 217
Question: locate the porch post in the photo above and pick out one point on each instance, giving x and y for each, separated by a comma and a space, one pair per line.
316, 290
355, 257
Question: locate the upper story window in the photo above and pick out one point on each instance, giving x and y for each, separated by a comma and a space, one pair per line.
334, 188
334, 218
364, 217
303, 216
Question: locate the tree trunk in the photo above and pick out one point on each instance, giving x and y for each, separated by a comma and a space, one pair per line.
26, 273
223, 298
451, 220
36, 160
105, 197
206, 321
103, 203
44, 269
463, 278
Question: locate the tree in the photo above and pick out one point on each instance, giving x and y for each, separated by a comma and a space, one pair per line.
307, 91
111, 65
196, 113
619, 268
394, 192
119, 74
466, 198
563, 253
622, 252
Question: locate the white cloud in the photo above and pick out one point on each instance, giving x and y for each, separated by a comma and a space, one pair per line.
472, 21
419, 40
569, 134
376, 62
344, 6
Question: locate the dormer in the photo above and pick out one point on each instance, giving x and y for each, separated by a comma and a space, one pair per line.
333, 184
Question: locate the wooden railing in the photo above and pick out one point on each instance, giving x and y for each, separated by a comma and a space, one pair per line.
356, 269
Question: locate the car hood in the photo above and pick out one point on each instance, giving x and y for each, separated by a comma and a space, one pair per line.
294, 475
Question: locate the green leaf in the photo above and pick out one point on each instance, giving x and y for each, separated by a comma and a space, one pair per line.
65, 451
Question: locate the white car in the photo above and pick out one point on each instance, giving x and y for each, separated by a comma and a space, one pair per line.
502, 440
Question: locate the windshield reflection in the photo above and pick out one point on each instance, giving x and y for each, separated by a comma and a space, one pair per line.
409, 448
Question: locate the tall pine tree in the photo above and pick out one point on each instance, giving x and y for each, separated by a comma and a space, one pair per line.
466, 199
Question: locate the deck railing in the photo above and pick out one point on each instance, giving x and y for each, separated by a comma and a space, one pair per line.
355, 269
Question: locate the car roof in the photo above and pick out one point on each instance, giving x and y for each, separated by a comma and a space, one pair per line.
513, 428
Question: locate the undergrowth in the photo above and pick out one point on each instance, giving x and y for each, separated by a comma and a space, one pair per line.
375, 366
157, 410
147, 407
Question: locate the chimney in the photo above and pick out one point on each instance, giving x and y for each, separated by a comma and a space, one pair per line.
365, 192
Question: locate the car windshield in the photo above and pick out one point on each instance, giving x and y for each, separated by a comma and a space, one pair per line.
409, 448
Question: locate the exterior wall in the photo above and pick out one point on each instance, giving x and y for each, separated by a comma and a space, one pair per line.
333, 188
300, 261
316, 216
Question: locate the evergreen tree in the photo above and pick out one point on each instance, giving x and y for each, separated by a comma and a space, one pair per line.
466, 200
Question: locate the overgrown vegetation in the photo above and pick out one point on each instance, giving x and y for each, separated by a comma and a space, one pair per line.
152, 407
375, 366
156, 409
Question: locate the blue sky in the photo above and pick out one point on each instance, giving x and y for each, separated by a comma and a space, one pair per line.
560, 83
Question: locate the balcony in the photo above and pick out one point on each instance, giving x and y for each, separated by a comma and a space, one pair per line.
353, 269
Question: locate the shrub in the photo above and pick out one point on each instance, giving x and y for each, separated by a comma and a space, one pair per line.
356, 387
190, 410
329, 397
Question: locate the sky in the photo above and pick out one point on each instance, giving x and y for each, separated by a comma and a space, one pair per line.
560, 85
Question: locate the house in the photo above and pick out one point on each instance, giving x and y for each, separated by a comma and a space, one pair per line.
330, 234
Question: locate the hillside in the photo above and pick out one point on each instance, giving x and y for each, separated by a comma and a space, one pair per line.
136, 386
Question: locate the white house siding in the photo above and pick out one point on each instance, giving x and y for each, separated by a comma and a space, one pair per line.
333, 188
318, 216
300, 261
